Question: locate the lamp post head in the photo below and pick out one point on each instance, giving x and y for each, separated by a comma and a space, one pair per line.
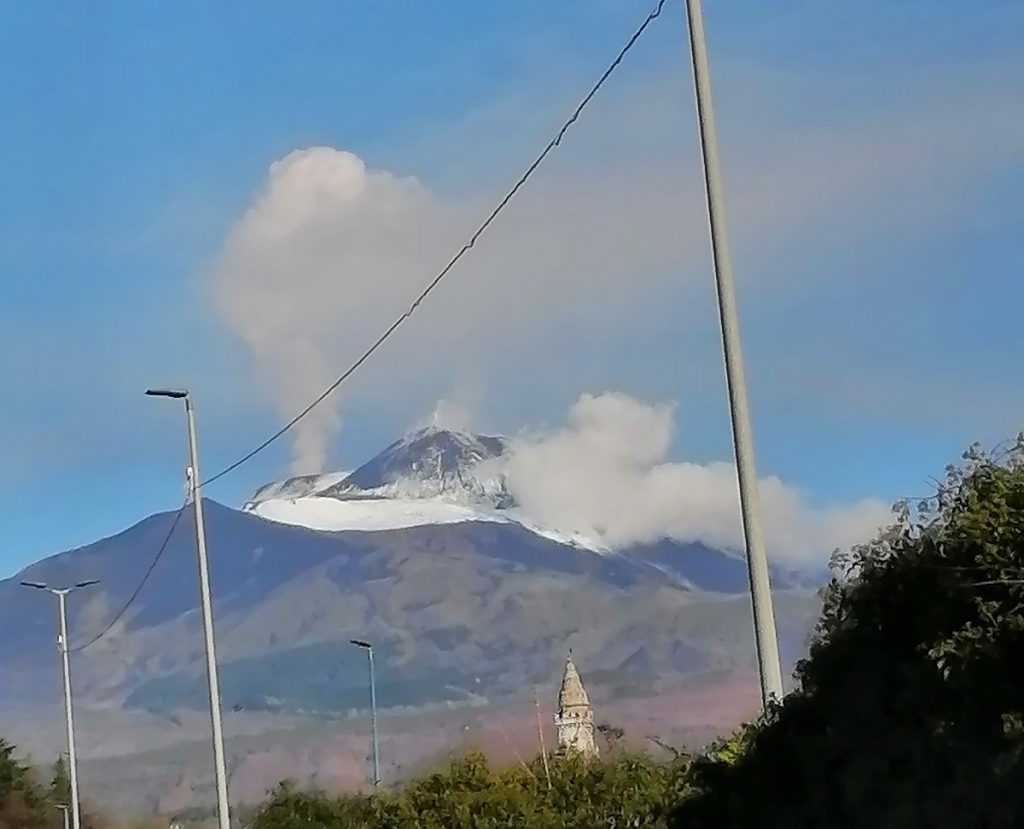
359, 643
38, 585
176, 394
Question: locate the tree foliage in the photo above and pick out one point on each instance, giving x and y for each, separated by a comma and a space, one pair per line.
26, 802
909, 710
60, 783
23, 803
630, 790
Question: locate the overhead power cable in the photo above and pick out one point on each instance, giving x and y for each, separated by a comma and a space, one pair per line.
131, 599
554, 142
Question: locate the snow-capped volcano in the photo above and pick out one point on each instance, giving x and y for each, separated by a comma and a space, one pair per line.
432, 476
432, 463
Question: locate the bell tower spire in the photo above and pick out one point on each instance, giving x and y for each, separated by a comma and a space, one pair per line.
575, 719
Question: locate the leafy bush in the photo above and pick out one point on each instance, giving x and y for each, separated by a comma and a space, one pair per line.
629, 790
23, 802
26, 803
909, 711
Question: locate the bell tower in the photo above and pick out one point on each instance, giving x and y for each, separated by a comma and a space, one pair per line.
575, 720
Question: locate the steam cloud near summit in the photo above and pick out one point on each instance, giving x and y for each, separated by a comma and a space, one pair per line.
315, 268
330, 252
605, 475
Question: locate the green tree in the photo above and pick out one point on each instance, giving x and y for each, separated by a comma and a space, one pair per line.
60, 783
630, 790
22, 804
908, 711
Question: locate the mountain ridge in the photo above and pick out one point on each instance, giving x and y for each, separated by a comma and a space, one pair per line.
464, 615
428, 462
460, 611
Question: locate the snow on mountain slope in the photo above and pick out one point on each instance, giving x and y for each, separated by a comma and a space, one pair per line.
300, 486
377, 514
433, 476
371, 514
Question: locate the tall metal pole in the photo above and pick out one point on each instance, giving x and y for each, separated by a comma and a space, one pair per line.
765, 636
62, 645
76, 816
373, 720
540, 735
220, 766
366, 646
64, 810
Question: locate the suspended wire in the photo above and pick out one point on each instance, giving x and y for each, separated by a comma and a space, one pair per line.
552, 144
135, 594
469, 245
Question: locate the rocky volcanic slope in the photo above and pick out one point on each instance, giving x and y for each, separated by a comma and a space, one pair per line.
460, 610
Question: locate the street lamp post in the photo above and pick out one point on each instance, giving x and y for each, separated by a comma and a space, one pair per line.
69, 718
765, 635
206, 606
63, 807
366, 646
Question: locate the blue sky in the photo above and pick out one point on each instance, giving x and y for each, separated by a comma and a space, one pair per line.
874, 157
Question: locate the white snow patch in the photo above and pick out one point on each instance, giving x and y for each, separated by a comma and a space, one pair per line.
375, 514
333, 515
573, 539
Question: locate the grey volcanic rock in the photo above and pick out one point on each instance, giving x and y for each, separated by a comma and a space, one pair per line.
300, 486
432, 463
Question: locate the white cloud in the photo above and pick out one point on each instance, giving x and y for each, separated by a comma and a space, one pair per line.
448, 414
330, 252
313, 268
605, 475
